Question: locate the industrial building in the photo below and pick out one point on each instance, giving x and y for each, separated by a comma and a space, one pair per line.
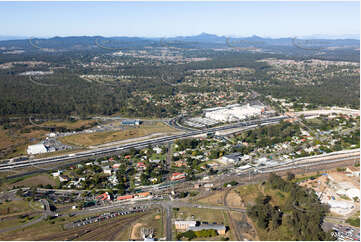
233, 113
36, 149
231, 158
197, 226
184, 225
135, 122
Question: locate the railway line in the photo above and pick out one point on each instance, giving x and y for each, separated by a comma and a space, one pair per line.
7, 165
233, 224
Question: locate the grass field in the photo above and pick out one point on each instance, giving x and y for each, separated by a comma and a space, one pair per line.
14, 207
70, 125
111, 136
215, 198
42, 179
14, 143
204, 215
248, 194
200, 214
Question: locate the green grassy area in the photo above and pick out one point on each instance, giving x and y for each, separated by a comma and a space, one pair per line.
248, 193
354, 220
16, 220
200, 214
14, 207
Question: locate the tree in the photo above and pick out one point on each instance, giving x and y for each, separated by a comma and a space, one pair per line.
290, 176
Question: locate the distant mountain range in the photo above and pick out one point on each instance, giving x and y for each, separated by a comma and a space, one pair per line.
208, 37
203, 40
9, 37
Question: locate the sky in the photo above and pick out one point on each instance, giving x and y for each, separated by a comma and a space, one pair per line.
165, 19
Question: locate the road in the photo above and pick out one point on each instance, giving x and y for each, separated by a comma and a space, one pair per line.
117, 149
44, 215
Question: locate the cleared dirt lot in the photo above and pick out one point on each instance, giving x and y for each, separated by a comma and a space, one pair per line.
111, 136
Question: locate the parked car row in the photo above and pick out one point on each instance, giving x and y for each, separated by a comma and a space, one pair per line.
108, 215
346, 233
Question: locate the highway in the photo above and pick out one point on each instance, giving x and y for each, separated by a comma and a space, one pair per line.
106, 151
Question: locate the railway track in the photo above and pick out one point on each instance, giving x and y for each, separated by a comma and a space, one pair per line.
231, 221
103, 231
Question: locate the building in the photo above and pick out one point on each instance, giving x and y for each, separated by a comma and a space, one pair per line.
354, 171
56, 174
177, 176
126, 197
107, 170
142, 194
157, 150
184, 225
141, 165
131, 122
180, 163
36, 149
231, 158
220, 228
104, 196
232, 113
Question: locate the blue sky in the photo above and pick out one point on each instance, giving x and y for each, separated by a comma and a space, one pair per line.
267, 19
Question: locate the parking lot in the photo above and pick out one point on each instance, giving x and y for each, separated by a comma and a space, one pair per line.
106, 216
343, 233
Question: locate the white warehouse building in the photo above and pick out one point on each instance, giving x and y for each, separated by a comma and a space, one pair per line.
36, 149
233, 113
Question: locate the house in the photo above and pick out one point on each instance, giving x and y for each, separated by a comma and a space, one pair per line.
36, 149
141, 165
56, 174
231, 158
154, 161
113, 180
157, 150
153, 180
177, 176
184, 225
180, 163
107, 170
116, 166
63, 178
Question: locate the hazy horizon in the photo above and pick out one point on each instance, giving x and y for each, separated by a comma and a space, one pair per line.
171, 19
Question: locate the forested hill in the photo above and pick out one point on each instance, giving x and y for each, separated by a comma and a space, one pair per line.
141, 77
